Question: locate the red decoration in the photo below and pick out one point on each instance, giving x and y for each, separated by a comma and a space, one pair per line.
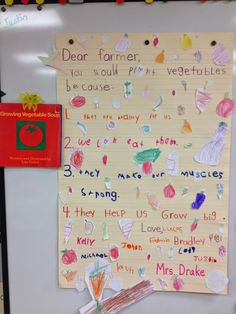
178, 283
69, 257
104, 160
147, 167
155, 41
120, 1
25, 1
62, 1
77, 101
225, 107
169, 191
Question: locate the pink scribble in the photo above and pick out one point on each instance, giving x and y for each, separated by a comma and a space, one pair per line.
153, 201
221, 55
222, 251
162, 283
181, 110
77, 158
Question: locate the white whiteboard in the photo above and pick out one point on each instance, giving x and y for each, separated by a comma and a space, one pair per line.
32, 227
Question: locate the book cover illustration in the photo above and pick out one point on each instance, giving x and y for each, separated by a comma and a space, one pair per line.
30, 136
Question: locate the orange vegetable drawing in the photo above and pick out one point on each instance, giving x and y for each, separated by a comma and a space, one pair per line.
160, 58
69, 275
97, 283
96, 275
186, 128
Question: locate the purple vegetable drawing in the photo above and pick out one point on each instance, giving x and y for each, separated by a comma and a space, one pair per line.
200, 198
211, 152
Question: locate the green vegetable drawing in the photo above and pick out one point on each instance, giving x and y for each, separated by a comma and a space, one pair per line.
146, 158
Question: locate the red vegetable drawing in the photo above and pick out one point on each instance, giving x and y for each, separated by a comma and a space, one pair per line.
114, 252
30, 135
155, 41
178, 283
69, 275
78, 101
225, 107
104, 160
169, 191
146, 158
77, 158
194, 225
147, 168
69, 257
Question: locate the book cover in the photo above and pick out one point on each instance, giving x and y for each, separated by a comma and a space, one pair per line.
30, 137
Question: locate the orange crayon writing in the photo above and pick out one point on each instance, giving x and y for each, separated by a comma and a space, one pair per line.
215, 237
114, 213
210, 217
204, 259
84, 213
159, 240
124, 268
153, 116
166, 214
107, 117
135, 247
90, 116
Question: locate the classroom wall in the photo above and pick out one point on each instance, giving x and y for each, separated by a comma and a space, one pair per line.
31, 194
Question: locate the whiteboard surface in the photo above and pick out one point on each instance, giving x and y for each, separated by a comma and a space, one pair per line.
31, 194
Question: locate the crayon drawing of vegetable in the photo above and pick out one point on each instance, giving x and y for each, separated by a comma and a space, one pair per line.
77, 101
169, 191
69, 257
200, 198
178, 283
146, 158
96, 275
194, 224
77, 158
225, 107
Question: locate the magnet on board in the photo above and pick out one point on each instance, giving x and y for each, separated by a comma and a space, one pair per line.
76, 1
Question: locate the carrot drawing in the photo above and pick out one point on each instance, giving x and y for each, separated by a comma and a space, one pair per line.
194, 225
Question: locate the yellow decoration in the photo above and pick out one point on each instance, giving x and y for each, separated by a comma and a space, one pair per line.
186, 128
30, 101
161, 57
9, 2
40, 1
149, 1
186, 41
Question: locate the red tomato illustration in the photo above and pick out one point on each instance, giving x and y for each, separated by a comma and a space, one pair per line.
31, 135
78, 101
178, 283
77, 158
69, 257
